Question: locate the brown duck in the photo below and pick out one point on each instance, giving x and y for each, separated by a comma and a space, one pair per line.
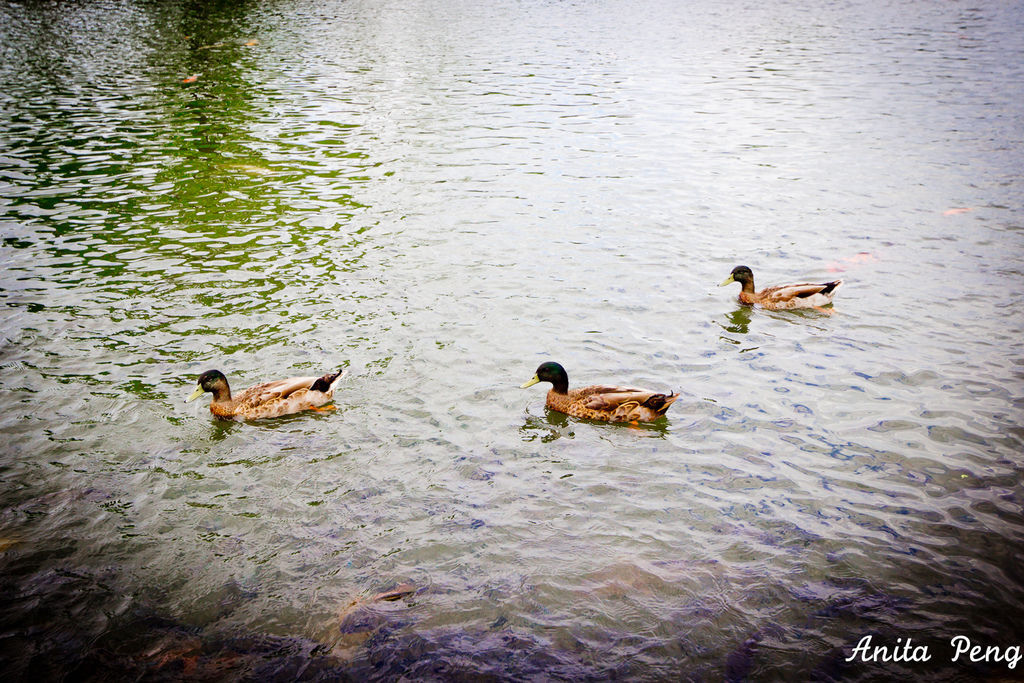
600, 402
782, 297
270, 399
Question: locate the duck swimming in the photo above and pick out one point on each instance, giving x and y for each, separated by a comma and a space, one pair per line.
603, 402
270, 399
782, 297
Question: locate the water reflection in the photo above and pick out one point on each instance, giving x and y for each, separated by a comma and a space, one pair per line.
220, 430
553, 425
739, 320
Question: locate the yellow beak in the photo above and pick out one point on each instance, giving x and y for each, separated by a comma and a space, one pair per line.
530, 383
726, 281
195, 394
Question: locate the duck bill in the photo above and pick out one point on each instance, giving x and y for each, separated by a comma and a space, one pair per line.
530, 383
727, 281
195, 394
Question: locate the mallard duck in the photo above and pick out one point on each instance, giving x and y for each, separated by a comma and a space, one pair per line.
270, 399
781, 297
600, 402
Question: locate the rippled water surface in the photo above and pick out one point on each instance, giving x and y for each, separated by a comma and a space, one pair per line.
438, 196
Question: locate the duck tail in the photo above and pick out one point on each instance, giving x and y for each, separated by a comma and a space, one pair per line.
327, 382
831, 286
659, 403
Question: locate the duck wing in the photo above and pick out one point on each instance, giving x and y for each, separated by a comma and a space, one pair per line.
280, 397
278, 389
803, 290
607, 397
627, 404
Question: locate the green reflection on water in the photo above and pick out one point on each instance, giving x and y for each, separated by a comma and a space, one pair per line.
739, 320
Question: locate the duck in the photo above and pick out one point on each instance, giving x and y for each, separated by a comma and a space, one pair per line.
604, 402
782, 297
270, 399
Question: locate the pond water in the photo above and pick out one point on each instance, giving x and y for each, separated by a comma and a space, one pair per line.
439, 196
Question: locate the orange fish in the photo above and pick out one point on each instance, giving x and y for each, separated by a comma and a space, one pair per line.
190, 79
957, 210
861, 257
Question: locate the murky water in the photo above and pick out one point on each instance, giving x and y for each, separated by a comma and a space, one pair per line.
438, 196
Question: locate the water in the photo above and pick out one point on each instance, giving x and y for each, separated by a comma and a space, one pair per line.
438, 197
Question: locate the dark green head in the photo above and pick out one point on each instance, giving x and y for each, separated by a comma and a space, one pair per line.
551, 372
742, 275
213, 381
